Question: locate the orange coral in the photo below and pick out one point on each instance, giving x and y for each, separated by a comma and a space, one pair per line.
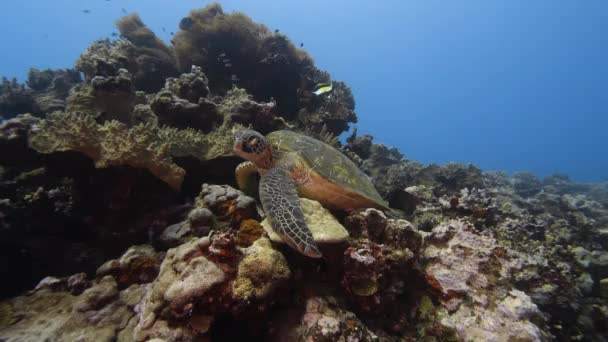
249, 231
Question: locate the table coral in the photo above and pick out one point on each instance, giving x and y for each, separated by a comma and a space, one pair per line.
142, 146
111, 144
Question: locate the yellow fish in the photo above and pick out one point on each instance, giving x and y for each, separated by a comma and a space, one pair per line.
322, 88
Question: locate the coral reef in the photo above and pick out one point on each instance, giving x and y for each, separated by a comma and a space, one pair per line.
323, 319
111, 144
323, 225
100, 313
119, 220
206, 277
470, 271
16, 99
227, 203
139, 52
234, 50
139, 265
144, 146
183, 103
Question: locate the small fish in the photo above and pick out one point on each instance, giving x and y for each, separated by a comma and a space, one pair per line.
114, 34
163, 28
301, 44
234, 78
123, 10
322, 88
228, 65
171, 33
276, 31
223, 54
226, 60
86, 11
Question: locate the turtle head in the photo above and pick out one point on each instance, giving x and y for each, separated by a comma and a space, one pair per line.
254, 147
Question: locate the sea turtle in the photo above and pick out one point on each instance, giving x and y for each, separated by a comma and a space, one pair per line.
292, 164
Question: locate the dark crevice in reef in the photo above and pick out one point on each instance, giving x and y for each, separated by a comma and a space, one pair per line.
219, 171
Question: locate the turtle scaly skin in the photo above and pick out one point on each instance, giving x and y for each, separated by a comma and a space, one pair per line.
292, 164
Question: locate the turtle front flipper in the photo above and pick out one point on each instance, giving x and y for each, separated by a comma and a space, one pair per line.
245, 178
281, 203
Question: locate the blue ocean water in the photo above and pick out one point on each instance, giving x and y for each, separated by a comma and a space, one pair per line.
511, 85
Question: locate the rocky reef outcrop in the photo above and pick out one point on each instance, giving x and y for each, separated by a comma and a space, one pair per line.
120, 220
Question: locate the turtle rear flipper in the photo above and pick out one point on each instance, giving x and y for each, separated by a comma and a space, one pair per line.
282, 205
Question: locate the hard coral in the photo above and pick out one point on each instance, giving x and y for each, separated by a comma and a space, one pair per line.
16, 99
107, 97
261, 273
373, 275
108, 145
249, 231
240, 107
526, 184
231, 48
51, 87
154, 320
197, 224
227, 203
471, 273
183, 102
138, 265
334, 112
323, 319
208, 277
149, 63
101, 313
141, 146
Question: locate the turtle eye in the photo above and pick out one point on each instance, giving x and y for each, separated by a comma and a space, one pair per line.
250, 142
253, 144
